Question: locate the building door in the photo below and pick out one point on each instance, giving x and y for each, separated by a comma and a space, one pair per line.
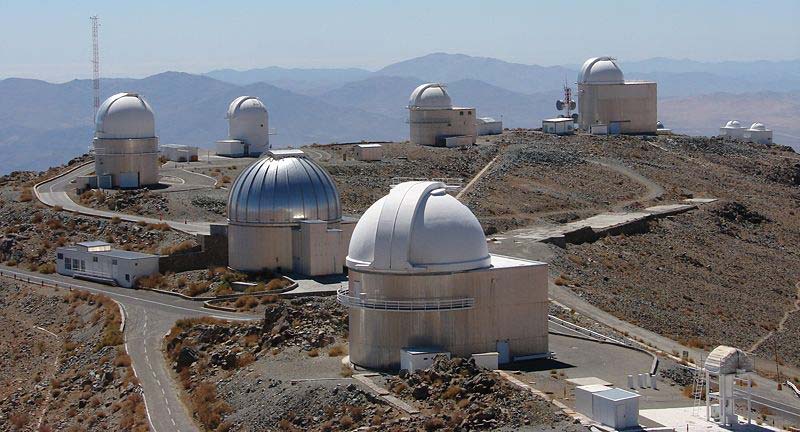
504, 353
614, 128
621, 419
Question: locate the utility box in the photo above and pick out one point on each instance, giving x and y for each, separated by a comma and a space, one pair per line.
459, 141
231, 148
613, 407
558, 126
369, 152
414, 359
488, 360
598, 129
129, 180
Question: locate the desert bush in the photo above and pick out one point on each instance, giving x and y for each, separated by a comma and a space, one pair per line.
208, 409
115, 220
313, 353
18, 420
451, 392
196, 288
162, 226
336, 351
155, 280
246, 302
46, 268
26, 195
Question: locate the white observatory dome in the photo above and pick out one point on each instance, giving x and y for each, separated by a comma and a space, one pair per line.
418, 228
248, 121
283, 190
430, 96
758, 127
601, 70
124, 116
733, 124
247, 106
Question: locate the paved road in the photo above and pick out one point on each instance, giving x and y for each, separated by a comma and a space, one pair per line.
53, 193
149, 316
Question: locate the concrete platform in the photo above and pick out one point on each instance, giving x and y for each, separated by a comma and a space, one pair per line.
700, 200
683, 419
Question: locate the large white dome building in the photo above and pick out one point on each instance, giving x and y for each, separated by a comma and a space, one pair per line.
125, 142
758, 133
284, 214
605, 98
433, 119
732, 129
248, 128
420, 275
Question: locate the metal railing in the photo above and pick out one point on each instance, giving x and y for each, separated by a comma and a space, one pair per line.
427, 305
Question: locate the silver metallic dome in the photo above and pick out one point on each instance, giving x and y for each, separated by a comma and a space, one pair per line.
281, 189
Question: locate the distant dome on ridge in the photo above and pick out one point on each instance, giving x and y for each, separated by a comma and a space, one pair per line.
430, 96
601, 70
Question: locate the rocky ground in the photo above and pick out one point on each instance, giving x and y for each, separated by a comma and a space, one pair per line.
138, 201
62, 363
292, 360
216, 281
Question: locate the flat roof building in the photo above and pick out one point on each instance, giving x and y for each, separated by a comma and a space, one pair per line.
179, 152
97, 261
420, 275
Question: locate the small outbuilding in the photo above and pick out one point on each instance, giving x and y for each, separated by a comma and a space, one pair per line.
489, 126
248, 128
432, 117
368, 152
558, 126
179, 152
98, 262
418, 358
613, 407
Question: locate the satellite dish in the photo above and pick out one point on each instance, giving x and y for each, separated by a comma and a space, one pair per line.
559, 105
575, 117
572, 105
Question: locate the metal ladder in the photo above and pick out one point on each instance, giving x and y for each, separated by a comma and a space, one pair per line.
699, 385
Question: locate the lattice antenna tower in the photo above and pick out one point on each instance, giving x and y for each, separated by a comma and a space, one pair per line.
95, 63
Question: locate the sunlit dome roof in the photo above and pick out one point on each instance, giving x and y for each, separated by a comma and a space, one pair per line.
733, 124
430, 96
758, 127
601, 70
418, 228
246, 105
283, 188
125, 115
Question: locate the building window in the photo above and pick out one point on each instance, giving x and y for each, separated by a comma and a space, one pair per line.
469, 112
76, 264
113, 262
94, 259
68, 264
83, 265
127, 277
60, 256
461, 113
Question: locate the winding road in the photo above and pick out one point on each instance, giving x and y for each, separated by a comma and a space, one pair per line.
148, 317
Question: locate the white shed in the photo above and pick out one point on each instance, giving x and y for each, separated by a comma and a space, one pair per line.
612, 407
230, 147
369, 152
179, 152
489, 126
414, 358
96, 261
558, 126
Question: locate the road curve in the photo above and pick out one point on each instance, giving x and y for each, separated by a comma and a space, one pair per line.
53, 193
148, 317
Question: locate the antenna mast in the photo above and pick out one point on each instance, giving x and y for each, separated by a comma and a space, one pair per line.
95, 63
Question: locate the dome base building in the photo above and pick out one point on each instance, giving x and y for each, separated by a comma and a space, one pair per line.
733, 129
248, 128
420, 275
284, 215
604, 97
432, 118
758, 133
125, 143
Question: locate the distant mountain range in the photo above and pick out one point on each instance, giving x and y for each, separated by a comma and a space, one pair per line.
43, 124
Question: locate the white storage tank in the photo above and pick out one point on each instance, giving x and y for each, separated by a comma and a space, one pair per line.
125, 143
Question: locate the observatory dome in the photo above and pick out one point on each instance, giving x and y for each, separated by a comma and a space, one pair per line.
418, 228
758, 127
283, 190
601, 70
247, 107
733, 124
125, 116
430, 96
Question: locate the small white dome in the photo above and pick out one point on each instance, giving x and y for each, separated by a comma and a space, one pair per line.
125, 115
430, 96
733, 124
758, 127
418, 228
601, 70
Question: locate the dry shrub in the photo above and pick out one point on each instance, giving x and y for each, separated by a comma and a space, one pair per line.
46, 268
115, 220
208, 409
122, 359
346, 421
18, 420
451, 392
245, 359
434, 423
276, 284
313, 353
246, 302
196, 288
178, 248
26, 195
162, 226
269, 299
155, 280
562, 280
346, 371
336, 351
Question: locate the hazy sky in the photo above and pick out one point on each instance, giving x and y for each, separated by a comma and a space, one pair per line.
51, 39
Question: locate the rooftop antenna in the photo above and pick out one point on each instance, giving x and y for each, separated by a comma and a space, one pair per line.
95, 63
566, 104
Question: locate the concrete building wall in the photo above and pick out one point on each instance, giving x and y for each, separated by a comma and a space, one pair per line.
732, 132
489, 128
317, 248
255, 248
124, 271
510, 305
432, 126
369, 152
633, 105
758, 136
118, 158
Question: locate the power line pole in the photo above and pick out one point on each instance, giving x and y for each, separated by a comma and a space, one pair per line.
95, 63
